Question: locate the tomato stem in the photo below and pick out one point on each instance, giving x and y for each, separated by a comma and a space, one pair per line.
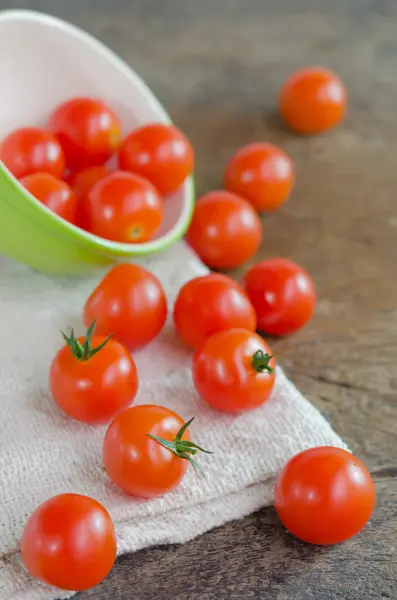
84, 351
181, 448
260, 362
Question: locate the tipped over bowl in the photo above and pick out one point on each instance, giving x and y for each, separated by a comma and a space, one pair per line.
45, 62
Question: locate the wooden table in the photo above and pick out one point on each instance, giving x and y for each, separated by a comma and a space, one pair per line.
217, 65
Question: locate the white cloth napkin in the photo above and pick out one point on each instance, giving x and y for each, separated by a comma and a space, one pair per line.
43, 453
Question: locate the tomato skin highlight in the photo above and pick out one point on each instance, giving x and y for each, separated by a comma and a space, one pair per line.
129, 303
53, 193
313, 100
88, 131
160, 153
324, 495
282, 294
262, 174
32, 150
138, 464
208, 304
225, 230
224, 373
125, 208
69, 542
95, 390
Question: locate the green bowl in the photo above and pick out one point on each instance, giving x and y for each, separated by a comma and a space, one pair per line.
58, 61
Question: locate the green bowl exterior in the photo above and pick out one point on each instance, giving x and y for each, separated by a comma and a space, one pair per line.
33, 235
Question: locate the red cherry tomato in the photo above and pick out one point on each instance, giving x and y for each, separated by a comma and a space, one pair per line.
160, 153
262, 174
88, 131
81, 183
234, 371
70, 542
209, 304
92, 379
147, 449
125, 208
84, 180
324, 495
129, 303
53, 193
225, 230
32, 150
313, 100
282, 294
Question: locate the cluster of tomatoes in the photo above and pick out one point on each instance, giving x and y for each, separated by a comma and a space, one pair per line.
226, 230
323, 495
65, 166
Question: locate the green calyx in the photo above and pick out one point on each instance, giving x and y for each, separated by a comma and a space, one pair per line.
84, 351
260, 362
181, 448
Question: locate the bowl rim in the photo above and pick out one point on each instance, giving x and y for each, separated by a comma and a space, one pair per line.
80, 235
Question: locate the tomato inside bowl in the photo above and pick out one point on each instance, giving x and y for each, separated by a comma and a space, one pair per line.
49, 62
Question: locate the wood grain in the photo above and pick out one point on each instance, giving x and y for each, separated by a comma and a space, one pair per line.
217, 66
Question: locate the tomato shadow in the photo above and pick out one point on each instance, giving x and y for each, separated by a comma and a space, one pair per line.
275, 124
272, 340
170, 340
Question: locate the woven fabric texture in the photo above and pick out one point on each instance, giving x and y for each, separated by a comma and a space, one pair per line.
43, 453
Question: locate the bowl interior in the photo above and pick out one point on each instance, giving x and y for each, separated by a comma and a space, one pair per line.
51, 61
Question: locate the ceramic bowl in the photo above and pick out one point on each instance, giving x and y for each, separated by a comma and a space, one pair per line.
44, 62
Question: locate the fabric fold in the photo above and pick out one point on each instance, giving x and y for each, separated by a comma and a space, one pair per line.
43, 453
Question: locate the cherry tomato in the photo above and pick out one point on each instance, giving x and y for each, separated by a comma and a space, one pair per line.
129, 303
160, 153
125, 208
313, 100
324, 495
88, 131
209, 304
70, 542
282, 294
94, 378
32, 150
84, 180
225, 230
81, 183
261, 173
234, 371
147, 449
53, 193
